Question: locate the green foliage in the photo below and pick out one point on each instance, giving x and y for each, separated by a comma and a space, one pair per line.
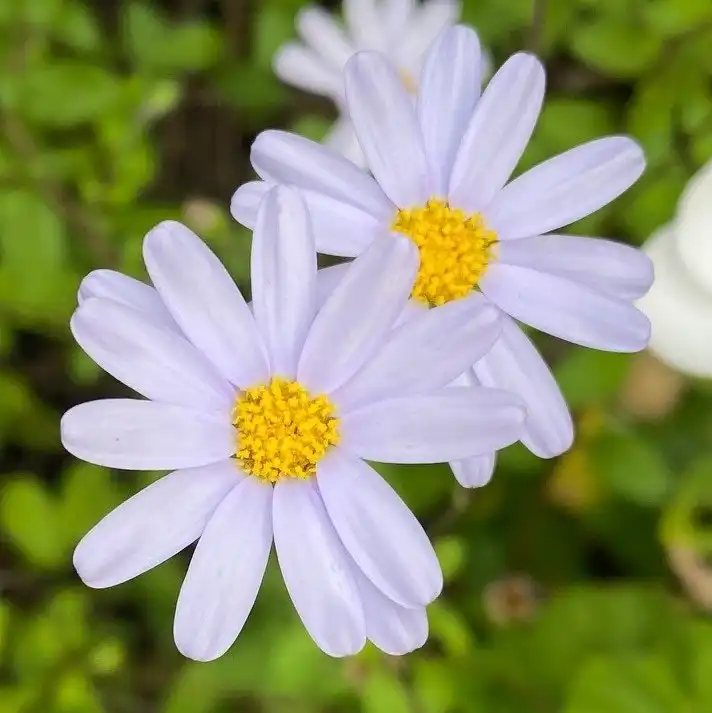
116, 116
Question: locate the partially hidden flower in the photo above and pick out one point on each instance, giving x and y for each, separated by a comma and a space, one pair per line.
441, 170
679, 304
265, 415
401, 29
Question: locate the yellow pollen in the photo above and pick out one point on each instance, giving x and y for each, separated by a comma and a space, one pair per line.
282, 431
455, 250
408, 81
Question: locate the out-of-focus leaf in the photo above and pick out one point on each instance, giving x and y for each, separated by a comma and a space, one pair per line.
382, 692
590, 378
77, 27
435, 686
451, 555
672, 17
449, 627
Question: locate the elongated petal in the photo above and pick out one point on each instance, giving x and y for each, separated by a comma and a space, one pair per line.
316, 569
451, 424
365, 24
111, 285
145, 435
283, 277
566, 188
613, 268
342, 139
386, 125
359, 314
425, 354
153, 525
319, 30
474, 472
288, 158
246, 200
302, 67
327, 279
392, 628
378, 530
396, 14
205, 302
151, 359
225, 572
449, 88
515, 365
566, 309
498, 132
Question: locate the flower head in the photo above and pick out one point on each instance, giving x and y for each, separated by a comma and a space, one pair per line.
265, 414
441, 170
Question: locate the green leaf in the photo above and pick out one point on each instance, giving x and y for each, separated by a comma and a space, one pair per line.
448, 626
591, 378
30, 518
667, 18
77, 27
632, 468
451, 555
382, 692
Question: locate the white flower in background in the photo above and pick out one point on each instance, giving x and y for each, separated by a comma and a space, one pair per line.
266, 415
401, 29
679, 305
440, 171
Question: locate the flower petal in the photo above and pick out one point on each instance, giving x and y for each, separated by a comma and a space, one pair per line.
145, 435
246, 200
365, 24
302, 67
316, 569
225, 572
498, 132
392, 628
283, 277
111, 285
566, 188
327, 279
566, 309
319, 30
381, 534
288, 158
613, 268
515, 365
474, 472
153, 525
386, 125
396, 14
342, 138
451, 424
151, 359
425, 353
359, 314
205, 302
449, 88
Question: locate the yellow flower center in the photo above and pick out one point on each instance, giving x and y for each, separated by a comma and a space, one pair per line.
282, 431
455, 250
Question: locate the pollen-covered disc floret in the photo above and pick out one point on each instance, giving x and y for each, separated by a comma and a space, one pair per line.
282, 431
455, 249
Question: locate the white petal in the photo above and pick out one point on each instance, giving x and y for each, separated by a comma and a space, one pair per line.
396, 14
283, 277
149, 358
153, 525
427, 22
246, 201
316, 569
566, 188
378, 530
302, 67
327, 279
451, 424
111, 285
474, 472
288, 158
613, 268
205, 302
515, 365
359, 314
679, 310
365, 23
424, 354
145, 435
386, 125
566, 309
498, 132
225, 572
449, 88
342, 138
392, 628
319, 30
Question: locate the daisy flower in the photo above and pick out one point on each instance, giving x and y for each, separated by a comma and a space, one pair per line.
441, 172
265, 416
402, 29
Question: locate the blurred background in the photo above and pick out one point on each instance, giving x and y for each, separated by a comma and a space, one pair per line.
579, 585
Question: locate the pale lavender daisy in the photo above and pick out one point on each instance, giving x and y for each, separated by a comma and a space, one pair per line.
401, 29
441, 173
266, 415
